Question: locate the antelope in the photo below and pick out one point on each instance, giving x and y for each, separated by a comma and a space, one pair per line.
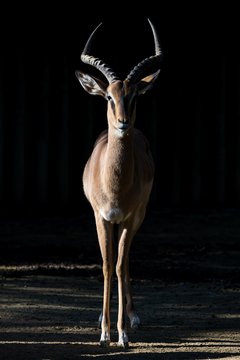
118, 178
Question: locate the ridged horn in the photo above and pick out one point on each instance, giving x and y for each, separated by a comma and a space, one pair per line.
96, 62
137, 71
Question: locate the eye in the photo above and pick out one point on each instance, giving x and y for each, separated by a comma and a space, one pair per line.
111, 102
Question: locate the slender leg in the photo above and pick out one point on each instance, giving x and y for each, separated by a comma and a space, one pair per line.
105, 233
101, 315
121, 269
125, 240
133, 317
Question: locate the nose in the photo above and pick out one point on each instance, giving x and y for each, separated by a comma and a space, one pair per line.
123, 124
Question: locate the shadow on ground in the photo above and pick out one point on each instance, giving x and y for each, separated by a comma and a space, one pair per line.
185, 277
178, 245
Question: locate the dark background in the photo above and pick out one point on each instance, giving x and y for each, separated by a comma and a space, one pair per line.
48, 123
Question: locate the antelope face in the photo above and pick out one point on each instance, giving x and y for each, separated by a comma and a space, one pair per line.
121, 97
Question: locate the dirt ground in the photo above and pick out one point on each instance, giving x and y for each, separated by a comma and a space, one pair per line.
185, 277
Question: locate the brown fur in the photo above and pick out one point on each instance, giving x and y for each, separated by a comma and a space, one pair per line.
117, 182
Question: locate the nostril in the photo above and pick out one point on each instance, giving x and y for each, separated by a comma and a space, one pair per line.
124, 121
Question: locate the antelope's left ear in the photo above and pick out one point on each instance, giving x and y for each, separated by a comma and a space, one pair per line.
146, 83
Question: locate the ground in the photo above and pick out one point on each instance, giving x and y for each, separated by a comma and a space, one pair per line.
185, 278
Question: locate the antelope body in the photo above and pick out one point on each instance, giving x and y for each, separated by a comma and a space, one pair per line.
118, 178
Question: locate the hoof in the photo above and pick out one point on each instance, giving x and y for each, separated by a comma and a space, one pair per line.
123, 345
123, 341
135, 322
105, 340
104, 343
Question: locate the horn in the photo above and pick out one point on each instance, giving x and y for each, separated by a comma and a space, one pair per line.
96, 62
137, 71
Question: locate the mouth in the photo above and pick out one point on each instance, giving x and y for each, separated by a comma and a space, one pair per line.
123, 126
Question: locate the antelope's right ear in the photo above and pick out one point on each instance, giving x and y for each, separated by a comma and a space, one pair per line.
91, 84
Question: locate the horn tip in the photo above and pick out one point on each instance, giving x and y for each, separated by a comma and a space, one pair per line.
149, 21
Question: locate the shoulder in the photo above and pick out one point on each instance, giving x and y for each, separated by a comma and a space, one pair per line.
102, 138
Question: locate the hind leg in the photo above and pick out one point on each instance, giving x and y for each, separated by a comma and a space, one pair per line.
130, 308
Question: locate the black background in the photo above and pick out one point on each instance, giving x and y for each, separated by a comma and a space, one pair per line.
48, 123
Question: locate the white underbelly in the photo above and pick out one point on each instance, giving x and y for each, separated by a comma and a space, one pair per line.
113, 215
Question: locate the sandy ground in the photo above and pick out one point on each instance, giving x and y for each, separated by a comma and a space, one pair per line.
48, 317
185, 271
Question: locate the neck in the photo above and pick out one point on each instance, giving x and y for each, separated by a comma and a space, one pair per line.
119, 161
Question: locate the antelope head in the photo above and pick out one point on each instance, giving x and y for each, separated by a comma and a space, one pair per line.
121, 95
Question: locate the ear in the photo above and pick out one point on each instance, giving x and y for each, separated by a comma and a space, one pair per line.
91, 84
146, 83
